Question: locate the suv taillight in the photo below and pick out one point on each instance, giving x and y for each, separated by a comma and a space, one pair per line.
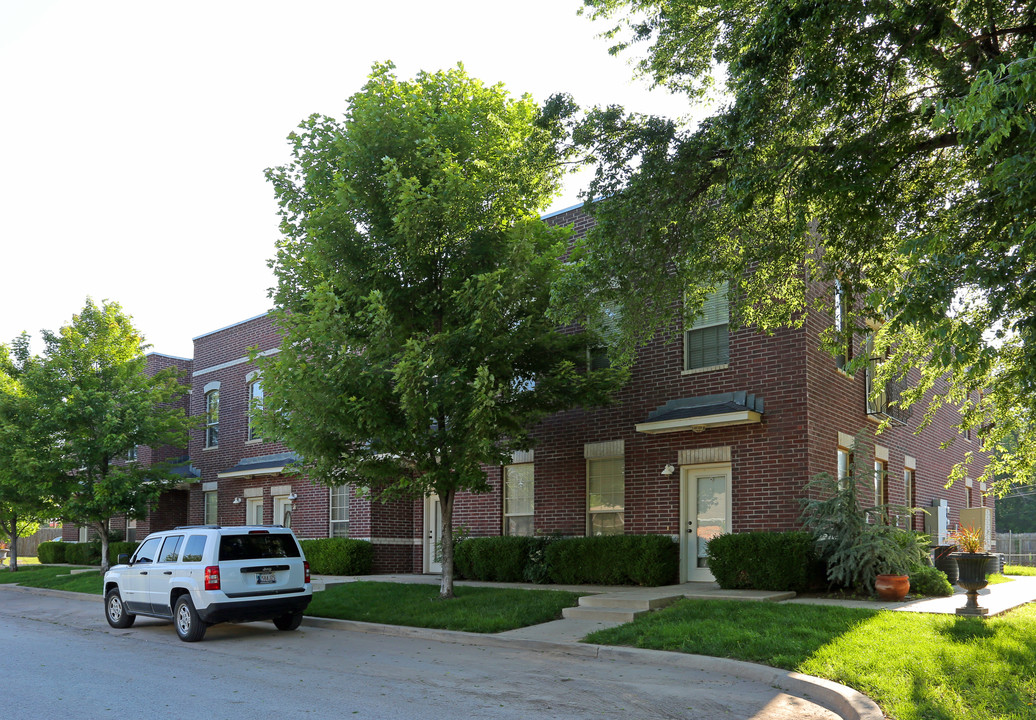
212, 577
306, 564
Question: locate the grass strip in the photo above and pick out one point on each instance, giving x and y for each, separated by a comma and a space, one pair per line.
54, 577
916, 666
1019, 570
473, 609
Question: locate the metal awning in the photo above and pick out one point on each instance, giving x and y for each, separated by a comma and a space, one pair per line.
260, 465
704, 411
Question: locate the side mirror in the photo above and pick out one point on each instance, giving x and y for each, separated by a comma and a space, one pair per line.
123, 559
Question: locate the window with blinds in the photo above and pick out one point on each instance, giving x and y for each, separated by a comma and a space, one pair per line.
707, 342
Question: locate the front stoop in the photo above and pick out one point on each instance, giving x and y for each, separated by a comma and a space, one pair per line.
618, 607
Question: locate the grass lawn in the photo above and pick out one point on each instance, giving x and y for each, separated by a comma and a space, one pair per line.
916, 666
54, 577
473, 609
1019, 570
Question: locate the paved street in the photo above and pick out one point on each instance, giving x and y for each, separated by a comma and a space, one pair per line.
67, 660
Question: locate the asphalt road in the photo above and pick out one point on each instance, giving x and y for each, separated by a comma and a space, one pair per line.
64, 660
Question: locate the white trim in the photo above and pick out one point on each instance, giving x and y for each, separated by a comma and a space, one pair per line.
742, 417
250, 473
252, 376
391, 541
910, 462
227, 327
704, 456
167, 355
252, 492
710, 368
602, 450
520, 457
280, 490
209, 486
232, 363
210, 386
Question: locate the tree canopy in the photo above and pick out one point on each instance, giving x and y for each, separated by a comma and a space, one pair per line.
94, 403
887, 145
414, 278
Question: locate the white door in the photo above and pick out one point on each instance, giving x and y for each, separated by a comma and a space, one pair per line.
282, 510
705, 513
432, 534
254, 511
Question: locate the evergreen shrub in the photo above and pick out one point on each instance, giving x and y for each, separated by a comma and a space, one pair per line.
929, 581
339, 556
648, 560
88, 553
495, 559
766, 561
51, 553
118, 548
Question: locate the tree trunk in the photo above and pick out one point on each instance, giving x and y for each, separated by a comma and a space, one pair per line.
12, 535
446, 586
102, 532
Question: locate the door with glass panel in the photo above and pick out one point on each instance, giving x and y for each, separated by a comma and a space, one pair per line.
705, 513
432, 534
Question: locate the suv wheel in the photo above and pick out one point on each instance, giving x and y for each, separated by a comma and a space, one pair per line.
189, 627
291, 621
115, 611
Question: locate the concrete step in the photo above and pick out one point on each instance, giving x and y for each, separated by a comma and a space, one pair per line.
620, 615
628, 600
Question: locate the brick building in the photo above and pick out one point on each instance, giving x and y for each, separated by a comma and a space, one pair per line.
718, 430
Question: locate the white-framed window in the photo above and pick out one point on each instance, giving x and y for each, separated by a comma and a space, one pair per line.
706, 343
881, 485
606, 495
212, 418
211, 508
340, 511
844, 337
253, 511
84, 533
131, 530
845, 465
131, 454
255, 404
519, 499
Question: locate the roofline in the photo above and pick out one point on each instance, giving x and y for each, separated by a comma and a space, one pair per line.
562, 211
167, 355
227, 327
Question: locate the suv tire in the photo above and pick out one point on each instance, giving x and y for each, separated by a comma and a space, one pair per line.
291, 621
189, 627
115, 611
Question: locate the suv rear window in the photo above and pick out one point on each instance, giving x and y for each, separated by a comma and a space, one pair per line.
256, 547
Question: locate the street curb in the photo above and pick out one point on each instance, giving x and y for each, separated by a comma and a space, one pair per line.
843, 700
846, 702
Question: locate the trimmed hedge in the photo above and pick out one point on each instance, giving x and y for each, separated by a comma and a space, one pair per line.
339, 556
118, 548
88, 553
648, 560
51, 553
495, 559
766, 561
930, 582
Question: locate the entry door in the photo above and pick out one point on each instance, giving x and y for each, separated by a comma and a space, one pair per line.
432, 534
254, 511
705, 511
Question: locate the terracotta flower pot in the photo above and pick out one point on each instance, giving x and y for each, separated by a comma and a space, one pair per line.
892, 587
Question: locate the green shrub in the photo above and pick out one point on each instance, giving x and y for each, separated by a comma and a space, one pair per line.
118, 548
494, 559
648, 560
50, 553
929, 581
88, 553
766, 561
339, 556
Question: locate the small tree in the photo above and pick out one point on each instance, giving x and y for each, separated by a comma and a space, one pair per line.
413, 283
96, 404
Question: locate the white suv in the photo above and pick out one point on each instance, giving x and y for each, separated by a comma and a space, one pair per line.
199, 575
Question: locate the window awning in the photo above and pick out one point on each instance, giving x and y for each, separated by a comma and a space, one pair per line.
260, 465
704, 411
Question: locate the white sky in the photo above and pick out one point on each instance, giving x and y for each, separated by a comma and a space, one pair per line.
134, 135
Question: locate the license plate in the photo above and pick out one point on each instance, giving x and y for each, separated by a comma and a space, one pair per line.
265, 578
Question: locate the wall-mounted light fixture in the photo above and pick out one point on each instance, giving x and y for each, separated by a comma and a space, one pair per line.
668, 470
237, 501
293, 497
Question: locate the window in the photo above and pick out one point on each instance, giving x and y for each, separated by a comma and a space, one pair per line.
598, 355
707, 343
909, 493
340, 510
84, 534
131, 530
519, 499
211, 507
845, 465
131, 454
195, 548
881, 488
844, 337
170, 549
212, 419
606, 496
255, 405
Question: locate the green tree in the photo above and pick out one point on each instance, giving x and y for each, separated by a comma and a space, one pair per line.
24, 496
889, 146
95, 404
413, 282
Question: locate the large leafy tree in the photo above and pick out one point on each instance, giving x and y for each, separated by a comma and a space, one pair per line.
24, 496
413, 282
889, 146
96, 403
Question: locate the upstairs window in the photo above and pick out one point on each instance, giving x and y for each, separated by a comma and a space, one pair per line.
707, 343
844, 337
212, 419
131, 454
598, 355
255, 405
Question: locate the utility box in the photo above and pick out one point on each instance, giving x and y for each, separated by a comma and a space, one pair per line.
980, 518
937, 521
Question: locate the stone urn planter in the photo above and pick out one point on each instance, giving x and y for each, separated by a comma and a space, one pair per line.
892, 588
972, 568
